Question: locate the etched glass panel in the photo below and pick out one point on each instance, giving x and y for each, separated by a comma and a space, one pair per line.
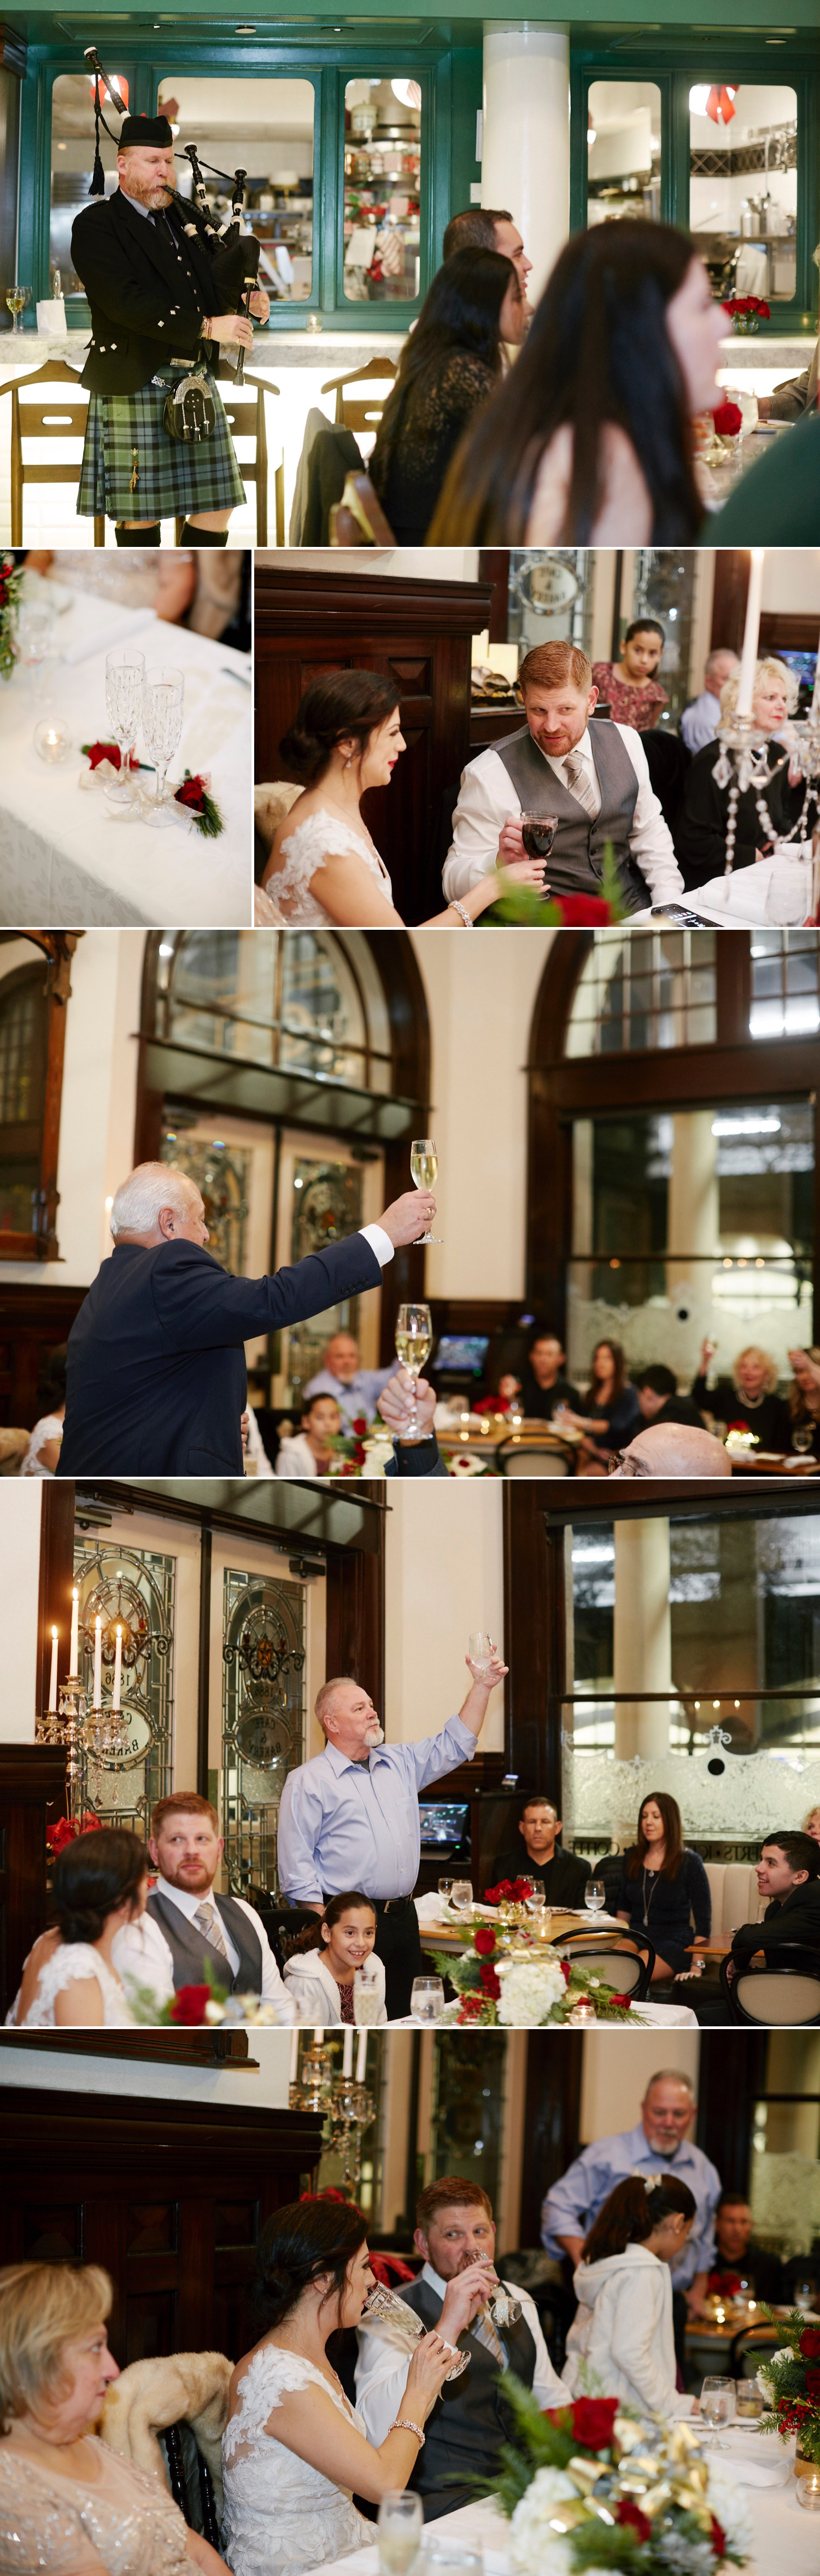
295, 1001
327, 1205
467, 2110
221, 1173
135, 1587
263, 1701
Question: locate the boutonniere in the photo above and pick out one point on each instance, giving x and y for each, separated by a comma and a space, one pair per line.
195, 795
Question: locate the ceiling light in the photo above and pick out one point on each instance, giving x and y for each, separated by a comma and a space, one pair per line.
746, 1126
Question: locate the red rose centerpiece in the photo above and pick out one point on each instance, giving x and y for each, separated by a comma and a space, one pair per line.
790, 2380
587, 2488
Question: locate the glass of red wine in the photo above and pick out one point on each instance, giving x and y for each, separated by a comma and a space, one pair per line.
538, 831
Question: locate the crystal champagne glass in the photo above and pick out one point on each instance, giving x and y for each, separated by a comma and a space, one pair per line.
384, 2307
163, 701
124, 676
414, 1342
423, 1169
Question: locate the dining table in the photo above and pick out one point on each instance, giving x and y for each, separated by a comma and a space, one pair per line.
784, 2536
70, 860
739, 901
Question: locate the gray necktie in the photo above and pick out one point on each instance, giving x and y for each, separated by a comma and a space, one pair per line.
207, 1922
578, 779
484, 2330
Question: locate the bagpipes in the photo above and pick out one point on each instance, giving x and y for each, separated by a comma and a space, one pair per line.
234, 254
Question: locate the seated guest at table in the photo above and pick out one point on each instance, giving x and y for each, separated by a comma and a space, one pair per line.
778, 502
673, 1449
319, 1975
700, 835
657, 1392
294, 2451
592, 777
350, 1817
737, 2257
803, 1397
310, 1451
748, 1397
564, 1874
609, 1413
448, 368
796, 394
455, 2232
72, 1979
356, 1389
43, 1452
323, 865
812, 1824
788, 1873
621, 2341
157, 1382
545, 1383
699, 721
67, 2501
187, 1930
630, 687
589, 441
667, 2112
664, 1889
488, 228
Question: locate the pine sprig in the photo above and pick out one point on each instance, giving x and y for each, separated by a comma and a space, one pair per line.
204, 811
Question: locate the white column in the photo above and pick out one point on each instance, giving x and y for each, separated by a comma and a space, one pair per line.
643, 1638
693, 1217
525, 164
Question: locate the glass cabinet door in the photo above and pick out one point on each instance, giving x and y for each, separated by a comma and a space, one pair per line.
72, 162
266, 126
623, 150
743, 186
382, 177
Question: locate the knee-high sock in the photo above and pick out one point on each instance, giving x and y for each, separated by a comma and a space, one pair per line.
192, 536
137, 536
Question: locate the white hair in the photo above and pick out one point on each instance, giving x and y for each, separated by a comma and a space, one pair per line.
670, 2075
322, 1709
152, 1186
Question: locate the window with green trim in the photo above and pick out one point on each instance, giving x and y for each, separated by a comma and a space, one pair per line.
743, 186
267, 126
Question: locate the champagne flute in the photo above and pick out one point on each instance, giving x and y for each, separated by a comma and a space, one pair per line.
401, 2523
423, 1169
595, 1897
414, 1341
17, 298
538, 833
384, 2307
124, 676
163, 700
481, 1653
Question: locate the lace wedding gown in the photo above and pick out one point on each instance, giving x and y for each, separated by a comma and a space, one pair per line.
287, 896
54, 2522
281, 2515
73, 1959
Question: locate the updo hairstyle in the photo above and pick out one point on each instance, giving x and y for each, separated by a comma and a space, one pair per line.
343, 706
93, 1877
295, 2246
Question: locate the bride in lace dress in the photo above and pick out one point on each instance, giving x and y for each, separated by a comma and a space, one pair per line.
69, 1980
295, 2451
323, 866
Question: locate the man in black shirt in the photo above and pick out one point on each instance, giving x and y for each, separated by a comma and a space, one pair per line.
563, 1875
545, 1384
788, 1872
659, 1399
737, 2257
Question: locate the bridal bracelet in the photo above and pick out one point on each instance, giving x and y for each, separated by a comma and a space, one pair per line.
463, 913
404, 2424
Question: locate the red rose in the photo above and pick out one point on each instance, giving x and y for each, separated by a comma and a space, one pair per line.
638, 2522
501, 1894
728, 419
593, 2422
813, 2386
718, 2538
583, 910
566, 1970
189, 2006
491, 1985
621, 1999
192, 793
810, 2343
484, 1940
359, 1425
521, 1887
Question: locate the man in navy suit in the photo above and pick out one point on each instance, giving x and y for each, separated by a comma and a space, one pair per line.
157, 1383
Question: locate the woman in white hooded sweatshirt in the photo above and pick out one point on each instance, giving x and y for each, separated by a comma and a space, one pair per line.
621, 2344
320, 1973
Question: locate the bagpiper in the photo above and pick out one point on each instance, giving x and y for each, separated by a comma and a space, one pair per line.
157, 441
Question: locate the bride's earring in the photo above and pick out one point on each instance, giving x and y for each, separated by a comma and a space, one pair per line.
349, 760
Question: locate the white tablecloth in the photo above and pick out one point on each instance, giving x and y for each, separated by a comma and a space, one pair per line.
745, 910
785, 2537
646, 2016
65, 861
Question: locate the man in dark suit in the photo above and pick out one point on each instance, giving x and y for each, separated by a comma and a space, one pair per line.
788, 1872
564, 1876
152, 289
657, 1391
157, 1383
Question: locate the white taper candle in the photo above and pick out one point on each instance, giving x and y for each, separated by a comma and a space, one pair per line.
97, 1702
117, 1669
75, 1613
361, 2057
751, 631
52, 1692
347, 2053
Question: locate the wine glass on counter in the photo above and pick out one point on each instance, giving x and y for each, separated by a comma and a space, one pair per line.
423, 1169
538, 833
414, 1342
17, 297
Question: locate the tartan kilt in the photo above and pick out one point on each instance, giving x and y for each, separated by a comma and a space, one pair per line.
173, 478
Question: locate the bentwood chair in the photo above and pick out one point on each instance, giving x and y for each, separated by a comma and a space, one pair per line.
57, 416
357, 414
186, 2467
247, 420
628, 1972
525, 1458
781, 1997
748, 2344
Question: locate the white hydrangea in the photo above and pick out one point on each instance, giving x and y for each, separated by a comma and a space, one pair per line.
727, 2502
783, 2353
535, 2550
528, 1992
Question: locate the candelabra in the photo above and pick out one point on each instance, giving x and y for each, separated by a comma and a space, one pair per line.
87, 1733
345, 2106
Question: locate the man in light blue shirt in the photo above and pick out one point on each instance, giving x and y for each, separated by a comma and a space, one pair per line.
350, 1818
658, 2144
699, 721
356, 1390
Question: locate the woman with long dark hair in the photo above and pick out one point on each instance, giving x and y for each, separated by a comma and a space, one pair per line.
448, 369
321, 1971
590, 440
69, 1980
664, 1890
323, 865
295, 2452
610, 1414
621, 2340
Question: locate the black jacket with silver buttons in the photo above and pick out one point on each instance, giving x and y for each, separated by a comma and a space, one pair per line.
147, 291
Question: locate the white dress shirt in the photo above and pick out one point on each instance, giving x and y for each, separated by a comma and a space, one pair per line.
384, 2359
141, 1951
379, 1243
487, 800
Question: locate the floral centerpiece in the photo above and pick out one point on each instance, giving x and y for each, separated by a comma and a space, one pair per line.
587, 2489
532, 911
10, 581
746, 311
208, 2006
789, 2379
67, 1829
515, 1980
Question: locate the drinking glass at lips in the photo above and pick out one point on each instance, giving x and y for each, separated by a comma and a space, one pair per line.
414, 1341
163, 700
423, 1169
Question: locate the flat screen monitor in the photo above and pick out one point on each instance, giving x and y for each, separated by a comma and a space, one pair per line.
461, 1354
444, 1825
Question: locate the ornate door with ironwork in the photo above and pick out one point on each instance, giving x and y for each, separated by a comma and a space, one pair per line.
263, 1694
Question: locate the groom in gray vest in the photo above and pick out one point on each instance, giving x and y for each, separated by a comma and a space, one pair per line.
455, 2233
186, 1930
591, 777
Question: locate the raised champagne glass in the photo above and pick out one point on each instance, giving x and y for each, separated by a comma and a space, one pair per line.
423, 1169
414, 1341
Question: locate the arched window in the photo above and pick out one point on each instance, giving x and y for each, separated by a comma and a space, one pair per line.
672, 1143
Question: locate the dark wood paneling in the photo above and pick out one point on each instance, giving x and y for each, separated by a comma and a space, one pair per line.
410, 1074
729, 598
551, 2118
355, 1621
494, 567
417, 633
489, 724
788, 634
56, 1578
535, 1634
32, 1794
168, 2197
732, 2074
33, 1321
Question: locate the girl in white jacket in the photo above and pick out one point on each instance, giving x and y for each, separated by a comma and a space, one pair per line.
319, 1975
621, 2344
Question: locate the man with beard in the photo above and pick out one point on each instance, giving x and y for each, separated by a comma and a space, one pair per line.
463, 2436
186, 1930
593, 778
667, 2112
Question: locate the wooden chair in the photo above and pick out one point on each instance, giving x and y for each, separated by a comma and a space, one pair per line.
44, 419
247, 420
359, 415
